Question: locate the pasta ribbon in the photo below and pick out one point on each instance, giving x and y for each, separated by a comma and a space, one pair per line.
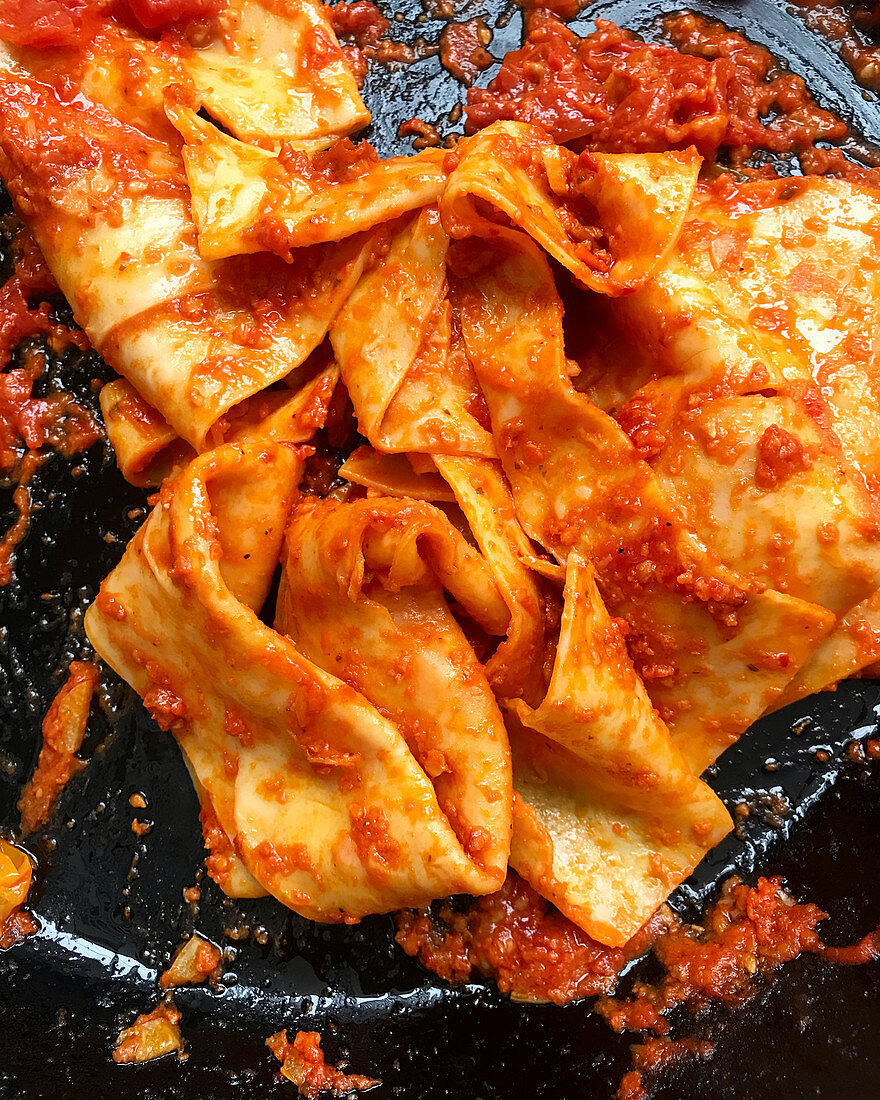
609, 218
394, 475
274, 72
248, 199
743, 373
516, 667
713, 652
362, 596
194, 339
609, 818
401, 355
148, 450
322, 799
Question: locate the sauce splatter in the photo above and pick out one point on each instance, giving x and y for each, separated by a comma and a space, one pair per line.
303, 1063
30, 426
64, 728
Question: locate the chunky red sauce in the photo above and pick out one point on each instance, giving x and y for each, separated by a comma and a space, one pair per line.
851, 27
220, 861
613, 92
64, 23
303, 1063
463, 49
28, 424
519, 939
361, 22
46, 23
536, 954
780, 456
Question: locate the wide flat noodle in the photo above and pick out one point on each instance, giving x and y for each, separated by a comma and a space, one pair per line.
800, 261
745, 374
148, 624
147, 450
713, 653
401, 355
756, 478
322, 799
393, 475
278, 74
386, 630
515, 669
609, 826
273, 72
246, 199
852, 647
609, 218
194, 339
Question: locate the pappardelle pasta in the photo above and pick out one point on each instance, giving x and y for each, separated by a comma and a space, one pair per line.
615, 496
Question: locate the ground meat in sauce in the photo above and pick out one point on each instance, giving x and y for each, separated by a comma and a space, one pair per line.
536, 954
611, 91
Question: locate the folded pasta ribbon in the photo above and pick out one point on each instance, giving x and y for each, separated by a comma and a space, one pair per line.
401, 355
609, 218
609, 817
713, 651
194, 339
516, 668
249, 199
148, 450
319, 794
362, 596
271, 72
743, 374
395, 475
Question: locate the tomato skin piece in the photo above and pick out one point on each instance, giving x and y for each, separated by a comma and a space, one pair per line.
45, 23
157, 14
48, 24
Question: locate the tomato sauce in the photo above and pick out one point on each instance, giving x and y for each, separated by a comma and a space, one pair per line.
610, 91
519, 939
47, 24
780, 456
536, 954
303, 1063
463, 49
28, 424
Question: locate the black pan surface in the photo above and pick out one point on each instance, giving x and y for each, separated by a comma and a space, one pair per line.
111, 905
